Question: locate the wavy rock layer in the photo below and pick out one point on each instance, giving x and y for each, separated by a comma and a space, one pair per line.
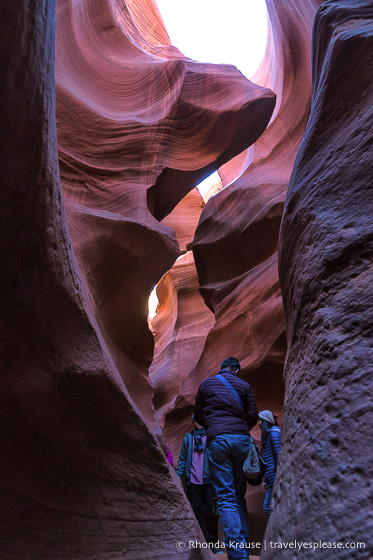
235, 244
139, 125
179, 338
82, 476
326, 249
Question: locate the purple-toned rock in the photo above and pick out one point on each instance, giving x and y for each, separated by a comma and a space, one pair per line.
323, 491
82, 476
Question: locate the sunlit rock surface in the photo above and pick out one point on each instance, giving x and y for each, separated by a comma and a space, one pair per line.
181, 327
326, 249
139, 125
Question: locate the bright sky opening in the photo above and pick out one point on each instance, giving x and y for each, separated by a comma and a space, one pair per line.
221, 32
233, 32
218, 31
152, 304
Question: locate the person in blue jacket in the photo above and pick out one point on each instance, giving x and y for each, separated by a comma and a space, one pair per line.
193, 465
271, 439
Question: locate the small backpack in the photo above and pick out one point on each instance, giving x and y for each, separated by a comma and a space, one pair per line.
254, 467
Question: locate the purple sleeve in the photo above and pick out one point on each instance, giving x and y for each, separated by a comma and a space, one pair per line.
170, 458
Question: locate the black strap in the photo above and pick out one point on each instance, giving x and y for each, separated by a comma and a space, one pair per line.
232, 390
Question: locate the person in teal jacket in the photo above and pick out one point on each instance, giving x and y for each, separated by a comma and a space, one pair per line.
193, 465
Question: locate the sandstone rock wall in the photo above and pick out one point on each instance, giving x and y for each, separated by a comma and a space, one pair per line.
235, 243
323, 491
82, 476
139, 125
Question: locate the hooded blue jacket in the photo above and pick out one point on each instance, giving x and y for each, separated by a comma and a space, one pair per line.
185, 461
270, 454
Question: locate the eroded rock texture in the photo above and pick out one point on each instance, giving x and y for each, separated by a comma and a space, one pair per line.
81, 474
235, 247
139, 125
235, 244
326, 246
179, 337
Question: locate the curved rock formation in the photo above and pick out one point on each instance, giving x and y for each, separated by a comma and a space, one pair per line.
139, 125
235, 244
179, 339
326, 250
82, 476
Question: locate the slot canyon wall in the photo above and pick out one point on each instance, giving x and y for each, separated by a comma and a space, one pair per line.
235, 245
139, 125
324, 488
88, 389
82, 476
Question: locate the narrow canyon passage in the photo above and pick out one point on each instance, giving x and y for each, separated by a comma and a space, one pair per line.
108, 130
